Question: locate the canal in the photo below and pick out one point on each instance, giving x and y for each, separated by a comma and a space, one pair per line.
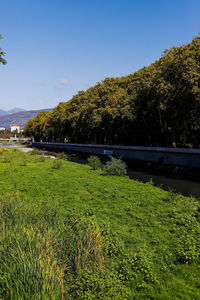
167, 182
179, 185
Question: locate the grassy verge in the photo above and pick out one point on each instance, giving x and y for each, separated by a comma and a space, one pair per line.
72, 233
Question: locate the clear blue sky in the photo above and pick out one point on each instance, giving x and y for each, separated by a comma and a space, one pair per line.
55, 48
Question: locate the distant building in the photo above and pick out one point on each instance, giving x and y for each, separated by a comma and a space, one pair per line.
15, 127
2, 128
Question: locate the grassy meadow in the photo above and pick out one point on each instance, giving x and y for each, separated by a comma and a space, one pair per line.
69, 232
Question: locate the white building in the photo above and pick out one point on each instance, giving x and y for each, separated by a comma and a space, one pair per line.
15, 127
2, 128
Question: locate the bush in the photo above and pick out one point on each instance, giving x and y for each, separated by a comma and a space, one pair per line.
151, 181
94, 162
62, 156
115, 167
57, 164
35, 152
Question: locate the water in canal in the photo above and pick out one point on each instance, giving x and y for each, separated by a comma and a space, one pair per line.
182, 186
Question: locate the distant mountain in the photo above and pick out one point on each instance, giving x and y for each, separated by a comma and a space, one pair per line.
3, 112
15, 110
19, 118
11, 111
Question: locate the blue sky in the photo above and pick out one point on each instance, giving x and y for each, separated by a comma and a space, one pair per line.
55, 48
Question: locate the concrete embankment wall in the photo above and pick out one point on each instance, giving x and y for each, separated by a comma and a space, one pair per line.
161, 155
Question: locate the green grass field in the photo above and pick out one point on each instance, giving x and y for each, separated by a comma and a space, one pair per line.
72, 233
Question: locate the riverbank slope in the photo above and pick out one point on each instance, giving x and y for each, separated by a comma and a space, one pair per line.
68, 231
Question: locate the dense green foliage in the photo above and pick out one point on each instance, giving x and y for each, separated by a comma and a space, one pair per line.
94, 162
2, 60
57, 164
158, 105
62, 155
115, 167
81, 235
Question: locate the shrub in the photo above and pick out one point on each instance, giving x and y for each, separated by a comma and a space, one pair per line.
62, 156
57, 164
172, 195
151, 181
35, 152
115, 167
94, 162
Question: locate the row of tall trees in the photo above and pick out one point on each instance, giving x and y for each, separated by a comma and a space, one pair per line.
157, 105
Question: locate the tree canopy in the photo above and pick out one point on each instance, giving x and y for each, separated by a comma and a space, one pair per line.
2, 60
157, 105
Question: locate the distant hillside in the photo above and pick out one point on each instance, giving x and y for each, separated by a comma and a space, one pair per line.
9, 112
15, 110
19, 118
2, 112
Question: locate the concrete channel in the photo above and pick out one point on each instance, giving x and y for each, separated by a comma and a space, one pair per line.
161, 155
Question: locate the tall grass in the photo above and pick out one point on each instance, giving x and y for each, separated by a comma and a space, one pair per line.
28, 264
36, 259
